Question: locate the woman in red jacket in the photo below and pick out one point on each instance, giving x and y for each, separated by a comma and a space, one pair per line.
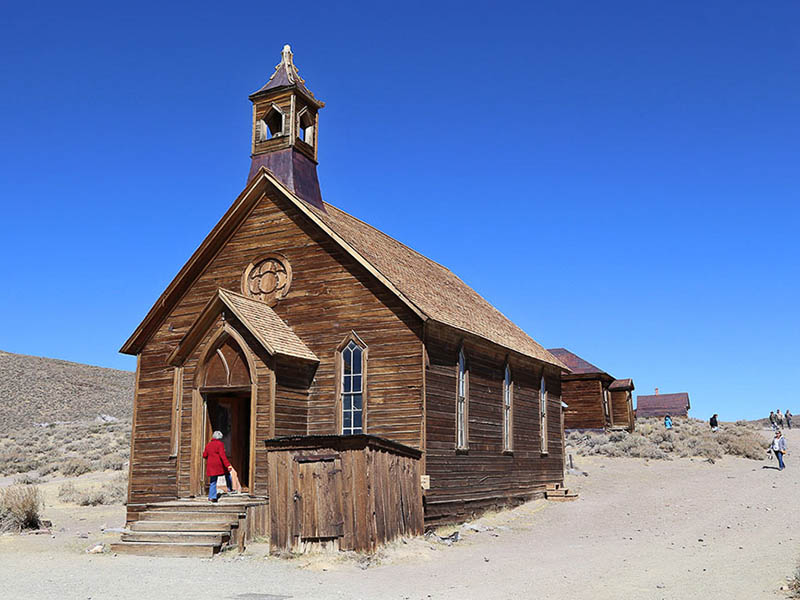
216, 464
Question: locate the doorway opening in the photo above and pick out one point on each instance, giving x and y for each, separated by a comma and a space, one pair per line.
228, 406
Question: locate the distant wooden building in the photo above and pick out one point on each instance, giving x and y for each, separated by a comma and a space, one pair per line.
660, 405
294, 318
594, 399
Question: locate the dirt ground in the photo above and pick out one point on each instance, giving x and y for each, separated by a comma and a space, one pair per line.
679, 529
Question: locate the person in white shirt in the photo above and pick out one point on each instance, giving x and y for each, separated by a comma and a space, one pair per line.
778, 447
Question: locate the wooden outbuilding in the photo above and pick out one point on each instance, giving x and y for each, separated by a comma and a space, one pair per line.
594, 399
294, 318
661, 405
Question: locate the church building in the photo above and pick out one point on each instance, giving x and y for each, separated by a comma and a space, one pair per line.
294, 318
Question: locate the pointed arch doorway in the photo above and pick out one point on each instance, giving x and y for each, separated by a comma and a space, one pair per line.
224, 399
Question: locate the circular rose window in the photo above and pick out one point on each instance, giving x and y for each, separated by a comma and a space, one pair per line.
268, 278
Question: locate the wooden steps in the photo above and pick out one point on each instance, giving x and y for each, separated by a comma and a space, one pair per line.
558, 493
190, 527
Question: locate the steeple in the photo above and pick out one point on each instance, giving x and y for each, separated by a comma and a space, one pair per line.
285, 125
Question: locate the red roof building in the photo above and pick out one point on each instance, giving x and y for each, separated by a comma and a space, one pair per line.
660, 405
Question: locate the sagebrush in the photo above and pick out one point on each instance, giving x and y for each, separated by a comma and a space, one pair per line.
688, 437
20, 507
112, 492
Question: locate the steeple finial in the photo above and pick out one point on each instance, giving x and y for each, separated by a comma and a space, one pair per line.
286, 75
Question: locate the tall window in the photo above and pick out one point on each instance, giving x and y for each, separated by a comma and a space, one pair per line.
606, 411
352, 389
508, 434
543, 414
461, 402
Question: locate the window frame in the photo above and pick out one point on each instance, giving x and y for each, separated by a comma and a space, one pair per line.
462, 401
508, 409
308, 131
177, 409
340, 374
543, 437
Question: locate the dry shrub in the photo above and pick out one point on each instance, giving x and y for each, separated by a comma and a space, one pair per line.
75, 467
27, 479
20, 508
114, 492
688, 437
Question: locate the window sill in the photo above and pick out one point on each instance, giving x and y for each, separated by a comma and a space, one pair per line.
508, 452
462, 450
544, 453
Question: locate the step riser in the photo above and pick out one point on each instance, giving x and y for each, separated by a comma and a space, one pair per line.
200, 508
144, 549
209, 526
188, 516
215, 539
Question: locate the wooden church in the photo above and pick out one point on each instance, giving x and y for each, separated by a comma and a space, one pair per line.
295, 324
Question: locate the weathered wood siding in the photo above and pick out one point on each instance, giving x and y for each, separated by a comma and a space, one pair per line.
621, 409
351, 492
584, 398
463, 482
330, 295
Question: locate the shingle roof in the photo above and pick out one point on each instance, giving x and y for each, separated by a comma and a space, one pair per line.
576, 364
261, 321
434, 289
265, 324
286, 75
659, 405
621, 384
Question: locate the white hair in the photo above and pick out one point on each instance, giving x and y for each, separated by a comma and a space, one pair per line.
217, 435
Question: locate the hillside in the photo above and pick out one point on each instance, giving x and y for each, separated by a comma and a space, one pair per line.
45, 390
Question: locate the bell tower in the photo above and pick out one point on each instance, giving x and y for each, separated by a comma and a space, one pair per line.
285, 131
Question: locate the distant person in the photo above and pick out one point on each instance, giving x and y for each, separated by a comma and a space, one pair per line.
216, 464
778, 448
772, 420
779, 418
713, 422
668, 422
788, 417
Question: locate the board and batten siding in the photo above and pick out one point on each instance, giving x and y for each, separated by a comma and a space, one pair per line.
484, 476
330, 296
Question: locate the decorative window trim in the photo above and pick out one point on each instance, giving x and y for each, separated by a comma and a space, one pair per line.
508, 409
175, 419
462, 401
339, 371
543, 415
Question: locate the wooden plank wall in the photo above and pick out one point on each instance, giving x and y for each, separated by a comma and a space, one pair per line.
330, 295
352, 499
585, 400
463, 483
621, 411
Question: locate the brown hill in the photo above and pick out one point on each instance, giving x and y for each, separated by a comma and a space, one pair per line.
46, 390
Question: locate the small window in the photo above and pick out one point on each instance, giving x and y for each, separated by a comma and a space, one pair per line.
543, 414
352, 389
461, 402
270, 126
305, 129
508, 433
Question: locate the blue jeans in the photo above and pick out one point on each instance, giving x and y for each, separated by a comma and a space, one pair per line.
779, 454
212, 486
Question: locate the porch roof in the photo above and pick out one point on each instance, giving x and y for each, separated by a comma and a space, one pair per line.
261, 321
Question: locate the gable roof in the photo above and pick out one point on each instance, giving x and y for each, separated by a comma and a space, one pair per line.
576, 364
430, 290
622, 384
659, 405
261, 321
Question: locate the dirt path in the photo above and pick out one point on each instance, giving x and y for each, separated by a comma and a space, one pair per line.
660, 530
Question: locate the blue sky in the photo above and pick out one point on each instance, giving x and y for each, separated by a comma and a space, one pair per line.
619, 178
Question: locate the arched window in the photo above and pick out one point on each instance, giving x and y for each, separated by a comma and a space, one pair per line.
508, 433
352, 387
462, 393
543, 414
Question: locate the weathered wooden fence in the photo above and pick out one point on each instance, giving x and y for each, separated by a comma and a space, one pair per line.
349, 492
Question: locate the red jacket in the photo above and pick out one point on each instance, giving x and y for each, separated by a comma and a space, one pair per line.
217, 461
